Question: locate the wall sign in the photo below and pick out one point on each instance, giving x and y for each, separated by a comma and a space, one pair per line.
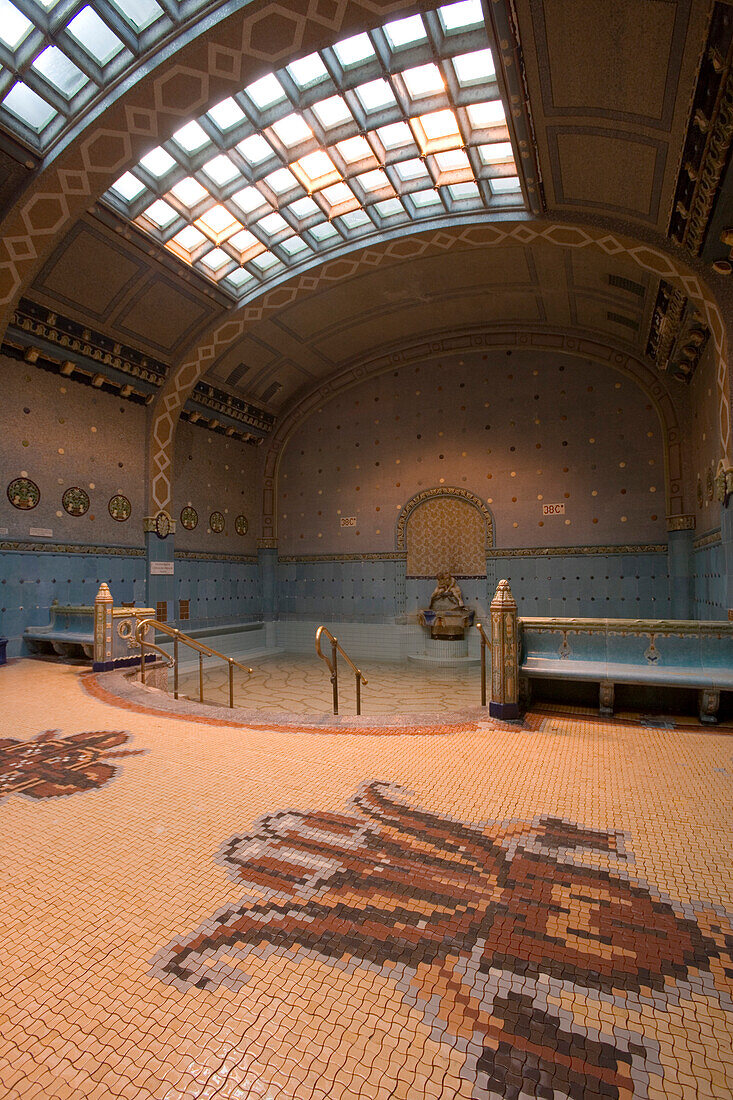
553, 509
161, 568
348, 521
41, 532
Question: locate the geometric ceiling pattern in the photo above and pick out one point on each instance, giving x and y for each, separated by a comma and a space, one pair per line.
58, 56
396, 128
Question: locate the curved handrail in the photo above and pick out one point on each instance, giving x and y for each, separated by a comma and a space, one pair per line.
485, 644
333, 667
202, 650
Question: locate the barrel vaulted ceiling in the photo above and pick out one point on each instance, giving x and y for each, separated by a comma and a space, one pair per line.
609, 93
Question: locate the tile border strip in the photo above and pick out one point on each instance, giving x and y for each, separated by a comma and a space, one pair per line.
19, 546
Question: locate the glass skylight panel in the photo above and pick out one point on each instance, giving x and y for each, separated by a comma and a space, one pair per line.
266, 92
474, 68
240, 277
221, 170
161, 214
482, 116
216, 259
292, 130
374, 181
30, 108
409, 170
191, 137
375, 95
158, 162
281, 180
265, 260
294, 245
355, 149
337, 194
462, 16
226, 114
354, 219
332, 112
405, 32
354, 51
249, 199
424, 80
272, 224
93, 34
325, 231
138, 13
396, 135
423, 199
389, 208
189, 238
255, 149
60, 71
316, 170
218, 223
128, 187
437, 128
246, 244
463, 191
500, 152
304, 208
189, 192
453, 161
504, 184
308, 71
13, 25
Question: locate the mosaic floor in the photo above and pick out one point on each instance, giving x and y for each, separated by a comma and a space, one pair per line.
200, 911
294, 683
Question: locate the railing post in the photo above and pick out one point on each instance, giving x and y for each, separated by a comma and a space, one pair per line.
504, 654
201, 677
142, 658
483, 666
231, 684
175, 666
358, 693
335, 676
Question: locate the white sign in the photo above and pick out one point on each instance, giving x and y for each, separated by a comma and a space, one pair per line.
553, 509
348, 521
41, 532
161, 568
3, 530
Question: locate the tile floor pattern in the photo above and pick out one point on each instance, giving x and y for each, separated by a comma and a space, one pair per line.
295, 683
250, 914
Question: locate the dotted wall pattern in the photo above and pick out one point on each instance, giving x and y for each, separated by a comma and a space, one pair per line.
514, 431
224, 334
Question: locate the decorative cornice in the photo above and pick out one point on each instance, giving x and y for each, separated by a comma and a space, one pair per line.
711, 539
200, 555
681, 627
388, 555
71, 548
681, 523
563, 551
267, 544
708, 140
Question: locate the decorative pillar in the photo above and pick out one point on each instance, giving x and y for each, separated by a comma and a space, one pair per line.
267, 559
681, 564
401, 586
103, 605
504, 654
160, 589
724, 493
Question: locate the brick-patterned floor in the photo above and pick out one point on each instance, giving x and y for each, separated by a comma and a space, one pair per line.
192, 910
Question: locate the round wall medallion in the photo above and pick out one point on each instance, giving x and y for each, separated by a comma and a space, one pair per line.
241, 525
23, 493
162, 525
119, 508
216, 522
75, 501
189, 518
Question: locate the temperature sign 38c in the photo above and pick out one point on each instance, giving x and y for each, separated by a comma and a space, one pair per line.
553, 509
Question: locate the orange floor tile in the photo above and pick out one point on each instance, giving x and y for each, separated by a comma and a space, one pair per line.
195, 910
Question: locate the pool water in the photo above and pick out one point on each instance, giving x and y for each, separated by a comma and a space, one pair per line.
298, 684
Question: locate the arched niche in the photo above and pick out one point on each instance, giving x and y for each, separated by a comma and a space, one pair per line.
445, 528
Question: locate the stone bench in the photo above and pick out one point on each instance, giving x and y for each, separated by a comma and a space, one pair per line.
647, 652
70, 633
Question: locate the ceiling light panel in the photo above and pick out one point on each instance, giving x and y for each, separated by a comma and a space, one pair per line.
381, 132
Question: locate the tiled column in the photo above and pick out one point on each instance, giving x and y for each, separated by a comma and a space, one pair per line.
726, 536
401, 586
267, 565
504, 654
103, 605
681, 533
160, 565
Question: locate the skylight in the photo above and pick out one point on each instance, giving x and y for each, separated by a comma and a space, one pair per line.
315, 177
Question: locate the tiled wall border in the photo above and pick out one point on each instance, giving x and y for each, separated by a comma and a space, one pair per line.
711, 539
200, 555
563, 551
71, 548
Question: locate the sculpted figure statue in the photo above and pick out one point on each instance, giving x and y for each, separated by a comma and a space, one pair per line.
447, 593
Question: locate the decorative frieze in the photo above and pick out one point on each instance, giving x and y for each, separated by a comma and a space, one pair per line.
71, 548
562, 551
681, 523
711, 539
399, 555
199, 555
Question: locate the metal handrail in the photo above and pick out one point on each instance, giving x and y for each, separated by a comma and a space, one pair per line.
485, 643
333, 666
179, 636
